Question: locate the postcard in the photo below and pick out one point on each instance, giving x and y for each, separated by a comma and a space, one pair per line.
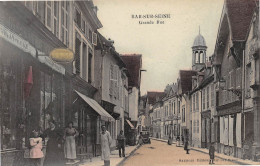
129, 82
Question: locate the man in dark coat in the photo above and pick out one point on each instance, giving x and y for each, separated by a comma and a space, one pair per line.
121, 143
211, 153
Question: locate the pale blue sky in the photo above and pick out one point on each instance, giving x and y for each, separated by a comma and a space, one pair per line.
166, 48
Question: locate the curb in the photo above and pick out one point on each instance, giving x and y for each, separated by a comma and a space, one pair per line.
235, 161
131, 153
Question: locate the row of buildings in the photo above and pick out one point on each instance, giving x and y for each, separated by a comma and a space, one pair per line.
100, 86
218, 100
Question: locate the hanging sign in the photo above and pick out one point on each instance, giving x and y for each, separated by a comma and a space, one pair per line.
62, 55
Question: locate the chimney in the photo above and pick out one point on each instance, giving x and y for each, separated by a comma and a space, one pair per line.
95, 9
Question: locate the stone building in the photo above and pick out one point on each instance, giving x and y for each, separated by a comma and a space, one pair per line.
235, 134
112, 84
251, 103
170, 116
184, 82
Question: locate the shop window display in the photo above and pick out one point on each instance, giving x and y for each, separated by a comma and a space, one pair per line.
8, 116
51, 93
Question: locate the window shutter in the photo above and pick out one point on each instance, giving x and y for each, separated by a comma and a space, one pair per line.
111, 80
94, 38
238, 77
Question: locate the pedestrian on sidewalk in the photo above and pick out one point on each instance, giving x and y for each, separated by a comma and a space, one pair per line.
170, 140
211, 153
54, 149
36, 153
70, 145
186, 145
106, 141
121, 143
178, 141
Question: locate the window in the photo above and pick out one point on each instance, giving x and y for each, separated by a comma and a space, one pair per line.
248, 80
197, 101
90, 35
197, 58
212, 95
48, 14
174, 107
203, 98
77, 56
89, 67
183, 113
51, 88
65, 22
179, 106
83, 26
7, 113
208, 97
84, 61
29, 4
56, 18
238, 77
113, 86
77, 18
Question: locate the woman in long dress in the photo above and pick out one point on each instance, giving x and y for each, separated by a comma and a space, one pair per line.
54, 150
70, 144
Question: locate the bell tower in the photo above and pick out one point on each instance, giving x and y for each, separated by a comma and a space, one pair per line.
199, 49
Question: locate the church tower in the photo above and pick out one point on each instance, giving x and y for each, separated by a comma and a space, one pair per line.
198, 53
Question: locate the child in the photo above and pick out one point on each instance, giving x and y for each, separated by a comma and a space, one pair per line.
211, 153
36, 149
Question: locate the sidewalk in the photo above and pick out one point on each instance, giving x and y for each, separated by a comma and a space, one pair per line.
114, 157
219, 155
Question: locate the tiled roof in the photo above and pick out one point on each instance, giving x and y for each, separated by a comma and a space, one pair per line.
185, 80
151, 96
240, 13
133, 64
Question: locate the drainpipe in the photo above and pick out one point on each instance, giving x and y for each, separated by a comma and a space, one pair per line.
243, 96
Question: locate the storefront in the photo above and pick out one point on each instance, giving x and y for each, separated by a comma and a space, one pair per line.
31, 94
88, 116
205, 129
230, 133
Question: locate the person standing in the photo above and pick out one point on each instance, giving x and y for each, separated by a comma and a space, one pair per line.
186, 145
54, 149
106, 141
211, 154
36, 149
170, 140
70, 144
121, 143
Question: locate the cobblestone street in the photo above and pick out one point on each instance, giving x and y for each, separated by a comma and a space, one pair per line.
160, 153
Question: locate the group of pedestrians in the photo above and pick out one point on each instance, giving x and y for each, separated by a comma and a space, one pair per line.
60, 146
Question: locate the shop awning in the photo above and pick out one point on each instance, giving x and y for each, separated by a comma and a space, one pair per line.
130, 124
93, 104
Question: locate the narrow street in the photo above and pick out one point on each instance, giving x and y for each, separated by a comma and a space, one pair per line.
160, 153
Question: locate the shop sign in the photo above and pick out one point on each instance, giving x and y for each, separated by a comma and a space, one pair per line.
16, 40
54, 66
62, 55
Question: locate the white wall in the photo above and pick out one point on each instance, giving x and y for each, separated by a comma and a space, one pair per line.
133, 104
